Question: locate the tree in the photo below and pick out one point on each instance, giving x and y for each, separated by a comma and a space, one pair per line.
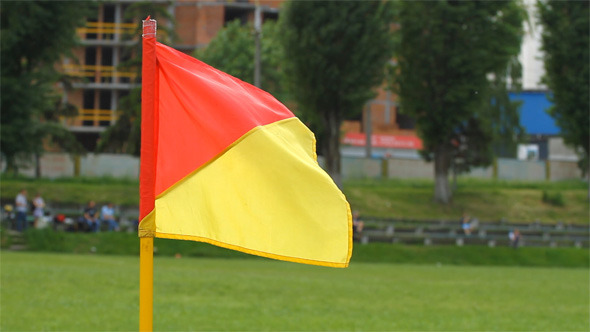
232, 51
125, 135
35, 35
493, 131
448, 56
566, 40
335, 54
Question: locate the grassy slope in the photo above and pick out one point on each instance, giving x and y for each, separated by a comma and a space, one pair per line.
83, 293
484, 199
74, 191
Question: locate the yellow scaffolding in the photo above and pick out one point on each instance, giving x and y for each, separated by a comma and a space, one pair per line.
92, 70
108, 28
96, 115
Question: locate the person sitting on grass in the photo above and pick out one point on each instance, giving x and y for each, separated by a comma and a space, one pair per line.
91, 217
108, 216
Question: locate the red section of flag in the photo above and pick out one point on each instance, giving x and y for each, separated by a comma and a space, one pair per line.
201, 125
384, 141
147, 178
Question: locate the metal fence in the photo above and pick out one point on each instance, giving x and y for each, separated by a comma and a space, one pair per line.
54, 165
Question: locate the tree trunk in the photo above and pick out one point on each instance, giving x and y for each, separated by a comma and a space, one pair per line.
454, 169
11, 167
442, 192
368, 134
37, 166
331, 147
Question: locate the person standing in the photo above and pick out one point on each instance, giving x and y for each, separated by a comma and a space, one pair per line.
21, 210
38, 212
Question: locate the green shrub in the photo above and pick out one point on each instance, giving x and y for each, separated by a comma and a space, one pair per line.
555, 199
5, 238
45, 240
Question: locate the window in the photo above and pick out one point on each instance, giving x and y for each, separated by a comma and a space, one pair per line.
90, 56
109, 13
106, 56
87, 104
123, 94
91, 35
106, 59
273, 16
125, 56
108, 17
88, 99
104, 100
404, 121
104, 103
232, 14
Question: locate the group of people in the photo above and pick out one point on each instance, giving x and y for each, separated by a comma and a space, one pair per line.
91, 219
468, 225
21, 207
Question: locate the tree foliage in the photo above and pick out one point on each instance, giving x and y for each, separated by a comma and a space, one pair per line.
451, 61
125, 135
232, 51
35, 35
495, 129
566, 44
335, 54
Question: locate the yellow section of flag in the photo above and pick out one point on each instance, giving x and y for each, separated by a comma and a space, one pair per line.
264, 195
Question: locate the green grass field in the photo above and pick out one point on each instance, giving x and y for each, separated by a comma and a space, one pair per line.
58, 292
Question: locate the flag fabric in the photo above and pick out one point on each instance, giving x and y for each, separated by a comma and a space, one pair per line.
228, 164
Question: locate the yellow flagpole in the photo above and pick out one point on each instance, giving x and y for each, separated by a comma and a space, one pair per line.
146, 283
147, 225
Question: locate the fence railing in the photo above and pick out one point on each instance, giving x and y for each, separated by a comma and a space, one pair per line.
119, 165
444, 232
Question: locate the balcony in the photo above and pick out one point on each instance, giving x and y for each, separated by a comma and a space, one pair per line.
106, 33
107, 77
92, 120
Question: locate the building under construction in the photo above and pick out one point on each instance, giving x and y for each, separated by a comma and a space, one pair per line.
106, 43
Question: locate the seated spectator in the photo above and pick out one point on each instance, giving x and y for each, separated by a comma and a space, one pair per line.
108, 216
466, 223
514, 237
90, 217
357, 223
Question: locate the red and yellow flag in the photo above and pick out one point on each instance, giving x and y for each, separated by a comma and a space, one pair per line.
224, 162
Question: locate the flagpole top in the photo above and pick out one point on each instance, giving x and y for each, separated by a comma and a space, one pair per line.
149, 27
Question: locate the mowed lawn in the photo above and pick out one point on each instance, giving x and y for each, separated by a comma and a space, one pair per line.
100, 293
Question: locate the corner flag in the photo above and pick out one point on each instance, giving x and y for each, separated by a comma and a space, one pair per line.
225, 163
